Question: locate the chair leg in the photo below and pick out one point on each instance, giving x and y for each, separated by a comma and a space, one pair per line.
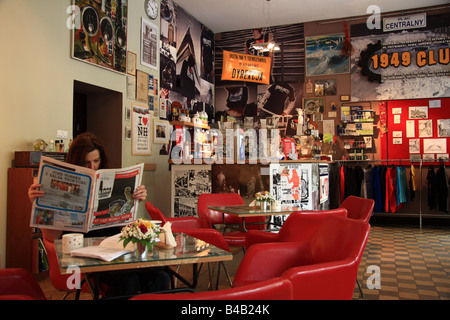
228, 275
361, 294
226, 272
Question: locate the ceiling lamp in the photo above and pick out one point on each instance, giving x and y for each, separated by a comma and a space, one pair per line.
270, 45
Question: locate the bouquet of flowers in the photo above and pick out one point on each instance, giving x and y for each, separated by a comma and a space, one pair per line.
264, 196
141, 232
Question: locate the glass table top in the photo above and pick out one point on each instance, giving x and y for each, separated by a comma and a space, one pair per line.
249, 211
188, 250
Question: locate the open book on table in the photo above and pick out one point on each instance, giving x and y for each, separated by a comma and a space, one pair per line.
108, 250
81, 199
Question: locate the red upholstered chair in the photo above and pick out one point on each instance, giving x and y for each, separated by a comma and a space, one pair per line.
299, 226
211, 217
59, 281
358, 208
19, 284
325, 267
272, 289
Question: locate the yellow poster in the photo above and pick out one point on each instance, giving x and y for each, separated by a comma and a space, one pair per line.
245, 67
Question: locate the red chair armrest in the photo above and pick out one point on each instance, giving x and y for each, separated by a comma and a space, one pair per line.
185, 222
273, 289
268, 260
257, 236
325, 281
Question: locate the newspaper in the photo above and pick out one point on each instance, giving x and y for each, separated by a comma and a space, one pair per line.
81, 199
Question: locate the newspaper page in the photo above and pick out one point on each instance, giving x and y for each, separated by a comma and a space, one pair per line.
80, 199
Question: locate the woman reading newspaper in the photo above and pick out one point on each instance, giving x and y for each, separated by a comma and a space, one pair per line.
88, 151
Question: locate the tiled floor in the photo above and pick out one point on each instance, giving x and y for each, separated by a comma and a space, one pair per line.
411, 264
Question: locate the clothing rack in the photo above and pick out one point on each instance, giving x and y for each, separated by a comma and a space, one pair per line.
411, 162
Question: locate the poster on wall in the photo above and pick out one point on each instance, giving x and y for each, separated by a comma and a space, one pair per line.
100, 38
324, 183
141, 134
186, 59
188, 183
149, 44
404, 64
324, 55
292, 184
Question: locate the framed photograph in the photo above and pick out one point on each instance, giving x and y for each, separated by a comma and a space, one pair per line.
161, 131
127, 113
324, 55
142, 86
313, 105
325, 88
131, 63
149, 44
345, 98
102, 28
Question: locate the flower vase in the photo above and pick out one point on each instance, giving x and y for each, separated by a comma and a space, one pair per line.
141, 250
265, 205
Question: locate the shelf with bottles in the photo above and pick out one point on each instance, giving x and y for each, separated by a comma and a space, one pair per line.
354, 144
192, 141
357, 156
356, 114
355, 129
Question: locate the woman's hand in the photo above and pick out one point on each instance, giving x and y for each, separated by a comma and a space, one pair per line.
34, 192
140, 193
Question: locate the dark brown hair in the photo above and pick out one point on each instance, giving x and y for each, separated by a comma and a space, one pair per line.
82, 145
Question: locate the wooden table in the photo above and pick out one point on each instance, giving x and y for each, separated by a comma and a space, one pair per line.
246, 211
189, 250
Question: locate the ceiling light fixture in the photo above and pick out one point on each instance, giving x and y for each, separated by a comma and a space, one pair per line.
270, 45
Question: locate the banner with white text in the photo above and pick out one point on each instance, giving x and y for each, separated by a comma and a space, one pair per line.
246, 67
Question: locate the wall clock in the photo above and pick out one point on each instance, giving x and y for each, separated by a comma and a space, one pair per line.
151, 8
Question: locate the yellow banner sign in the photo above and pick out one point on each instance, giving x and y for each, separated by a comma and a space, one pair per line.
246, 67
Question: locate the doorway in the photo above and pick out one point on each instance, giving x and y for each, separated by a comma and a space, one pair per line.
99, 110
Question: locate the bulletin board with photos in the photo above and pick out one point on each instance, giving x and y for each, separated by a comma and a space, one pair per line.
419, 129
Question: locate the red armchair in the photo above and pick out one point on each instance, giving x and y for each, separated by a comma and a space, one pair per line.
358, 208
299, 226
325, 267
210, 217
272, 289
19, 284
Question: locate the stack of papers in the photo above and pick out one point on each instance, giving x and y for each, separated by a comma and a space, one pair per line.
108, 250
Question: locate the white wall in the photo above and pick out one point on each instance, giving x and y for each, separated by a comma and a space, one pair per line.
36, 88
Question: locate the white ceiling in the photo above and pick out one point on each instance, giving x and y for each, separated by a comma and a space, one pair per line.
230, 15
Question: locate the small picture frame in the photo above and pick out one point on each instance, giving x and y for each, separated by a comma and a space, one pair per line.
142, 86
313, 105
131, 63
161, 131
127, 113
345, 98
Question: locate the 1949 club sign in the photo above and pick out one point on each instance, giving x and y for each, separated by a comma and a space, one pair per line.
408, 63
